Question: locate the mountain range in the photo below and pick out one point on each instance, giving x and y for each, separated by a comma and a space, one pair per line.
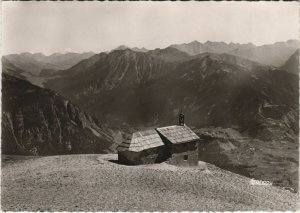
270, 54
165, 78
40, 64
224, 89
124, 47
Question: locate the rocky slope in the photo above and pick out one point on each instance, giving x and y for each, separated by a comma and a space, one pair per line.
94, 183
105, 72
38, 121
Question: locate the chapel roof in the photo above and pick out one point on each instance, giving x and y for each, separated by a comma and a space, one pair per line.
142, 140
178, 134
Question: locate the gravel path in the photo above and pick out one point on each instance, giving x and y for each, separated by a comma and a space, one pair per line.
93, 183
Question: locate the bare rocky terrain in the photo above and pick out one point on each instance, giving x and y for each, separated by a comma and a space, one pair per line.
37, 121
96, 183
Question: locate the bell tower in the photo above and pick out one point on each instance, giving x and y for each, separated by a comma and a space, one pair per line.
181, 118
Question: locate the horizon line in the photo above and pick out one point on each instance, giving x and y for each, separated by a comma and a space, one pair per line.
128, 47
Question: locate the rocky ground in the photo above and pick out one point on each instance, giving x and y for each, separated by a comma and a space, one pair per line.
95, 183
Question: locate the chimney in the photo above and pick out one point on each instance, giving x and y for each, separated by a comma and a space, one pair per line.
181, 118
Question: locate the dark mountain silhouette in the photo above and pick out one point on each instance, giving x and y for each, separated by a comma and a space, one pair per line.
271, 54
38, 121
292, 64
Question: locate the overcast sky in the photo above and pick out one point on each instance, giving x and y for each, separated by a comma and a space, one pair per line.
49, 27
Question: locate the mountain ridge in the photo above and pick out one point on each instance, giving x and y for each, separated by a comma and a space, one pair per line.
269, 54
36, 63
196, 69
55, 125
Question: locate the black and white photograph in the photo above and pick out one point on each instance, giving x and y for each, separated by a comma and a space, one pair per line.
149, 106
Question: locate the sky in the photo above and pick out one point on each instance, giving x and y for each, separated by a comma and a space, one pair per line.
50, 27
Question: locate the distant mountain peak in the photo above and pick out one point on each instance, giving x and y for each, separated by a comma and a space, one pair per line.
38, 54
194, 42
124, 47
125, 50
121, 47
208, 42
55, 54
25, 54
143, 49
